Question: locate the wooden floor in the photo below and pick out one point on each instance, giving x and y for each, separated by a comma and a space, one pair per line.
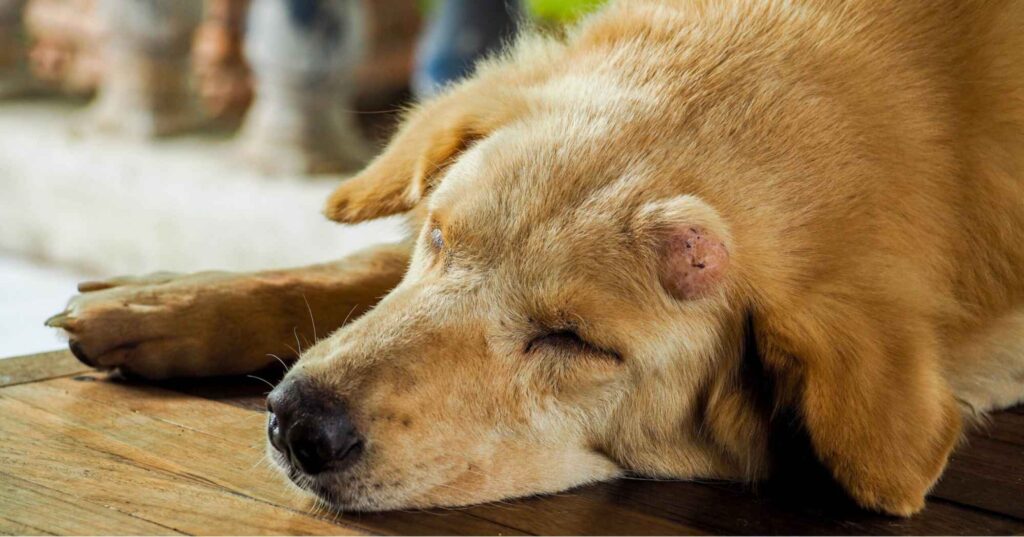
82, 454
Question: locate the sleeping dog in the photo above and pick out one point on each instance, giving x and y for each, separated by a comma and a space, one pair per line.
635, 246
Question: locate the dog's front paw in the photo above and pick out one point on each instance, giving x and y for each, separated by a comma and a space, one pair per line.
164, 325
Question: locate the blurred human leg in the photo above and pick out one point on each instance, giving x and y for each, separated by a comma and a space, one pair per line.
14, 76
145, 89
303, 55
459, 33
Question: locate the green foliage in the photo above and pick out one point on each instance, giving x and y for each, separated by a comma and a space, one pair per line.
559, 11
562, 10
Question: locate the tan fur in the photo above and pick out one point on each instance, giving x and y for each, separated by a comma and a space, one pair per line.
862, 164
219, 323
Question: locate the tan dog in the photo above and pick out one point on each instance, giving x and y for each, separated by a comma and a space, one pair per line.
635, 248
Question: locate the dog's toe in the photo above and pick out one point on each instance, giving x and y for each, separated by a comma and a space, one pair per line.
92, 285
79, 352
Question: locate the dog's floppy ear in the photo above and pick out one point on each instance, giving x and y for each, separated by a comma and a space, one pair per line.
865, 381
860, 371
432, 137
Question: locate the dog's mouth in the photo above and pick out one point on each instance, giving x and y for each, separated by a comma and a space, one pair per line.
351, 489
317, 485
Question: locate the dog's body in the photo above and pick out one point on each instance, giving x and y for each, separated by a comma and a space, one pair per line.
635, 247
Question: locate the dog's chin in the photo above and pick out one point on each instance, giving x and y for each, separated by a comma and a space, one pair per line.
357, 489
348, 491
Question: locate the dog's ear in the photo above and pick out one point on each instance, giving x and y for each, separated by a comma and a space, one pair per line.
432, 137
691, 243
862, 374
864, 379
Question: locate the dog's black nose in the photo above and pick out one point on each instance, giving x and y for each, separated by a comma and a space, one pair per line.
312, 429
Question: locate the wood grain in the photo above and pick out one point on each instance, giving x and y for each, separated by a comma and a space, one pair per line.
35, 367
29, 508
130, 480
85, 454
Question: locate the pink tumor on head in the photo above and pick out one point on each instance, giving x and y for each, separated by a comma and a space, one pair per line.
693, 262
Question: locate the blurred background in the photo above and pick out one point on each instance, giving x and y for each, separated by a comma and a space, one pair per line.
184, 135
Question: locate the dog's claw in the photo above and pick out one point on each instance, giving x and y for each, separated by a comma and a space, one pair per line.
93, 285
61, 320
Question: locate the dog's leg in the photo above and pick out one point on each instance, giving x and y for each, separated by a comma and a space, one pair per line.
145, 89
303, 55
217, 323
987, 373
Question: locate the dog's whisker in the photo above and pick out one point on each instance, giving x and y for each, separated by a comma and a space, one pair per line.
350, 312
311, 321
278, 358
265, 381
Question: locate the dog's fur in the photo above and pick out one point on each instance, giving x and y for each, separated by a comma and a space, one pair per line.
637, 245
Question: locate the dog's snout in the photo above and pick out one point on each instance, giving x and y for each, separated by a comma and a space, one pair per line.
312, 430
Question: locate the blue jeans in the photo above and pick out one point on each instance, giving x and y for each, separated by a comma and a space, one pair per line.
458, 34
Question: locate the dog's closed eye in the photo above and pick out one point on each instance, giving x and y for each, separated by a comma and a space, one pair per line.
569, 341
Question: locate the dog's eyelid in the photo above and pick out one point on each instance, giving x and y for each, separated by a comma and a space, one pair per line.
567, 339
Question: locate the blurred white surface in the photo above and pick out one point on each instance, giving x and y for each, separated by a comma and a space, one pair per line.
113, 206
29, 293
93, 207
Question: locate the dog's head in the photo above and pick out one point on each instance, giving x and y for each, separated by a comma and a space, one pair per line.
572, 312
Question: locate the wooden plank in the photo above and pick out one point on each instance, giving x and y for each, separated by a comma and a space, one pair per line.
29, 508
50, 451
11, 527
36, 367
987, 474
1004, 426
198, 440
734, 509
578, 514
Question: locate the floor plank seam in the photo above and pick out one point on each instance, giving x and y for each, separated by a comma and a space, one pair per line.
502, 524
218, 487
86, 500
136, 517
989, 426
129, 411
22, 524
42, 379
977, 509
